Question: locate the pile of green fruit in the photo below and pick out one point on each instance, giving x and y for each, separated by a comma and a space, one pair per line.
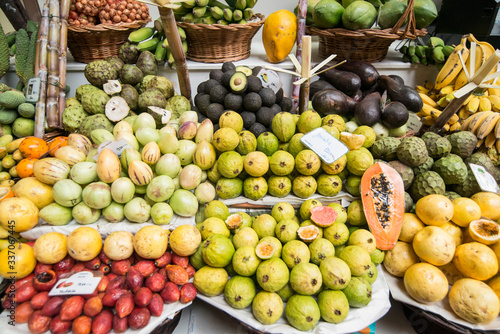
240, 89
16, 115
355, 14
153, 39
215, 12
318, 266
434, 53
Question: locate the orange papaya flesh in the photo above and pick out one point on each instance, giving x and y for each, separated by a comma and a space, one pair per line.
382, 194
323, 216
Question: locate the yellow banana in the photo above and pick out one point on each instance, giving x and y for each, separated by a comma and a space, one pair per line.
494, 91
480, 143
445, 100
488, 50
480, 58
453, 65
467, 124
463, 114
429, 85
446, 127
487, 125
497, 131
495, 102
484, 104
473, 105
455, 127
428, 100
477, 121
453, 119
489, 141
435, 114
497, 145
427, 120
422, 89
447, 90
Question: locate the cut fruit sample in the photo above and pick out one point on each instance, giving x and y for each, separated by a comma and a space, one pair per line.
264, 250
351, 140
382, 193
484, 231
308, 233
324, 216
234, 221
5, 192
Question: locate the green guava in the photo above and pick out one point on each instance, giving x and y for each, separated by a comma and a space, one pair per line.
335, 272
306, 206
239, 292
255, 188
282, 210
333, 305
256, 163
283, 126
217, 251
281, 163
245, 261
377, 256
337, 234
357, 258
267, 307
359, 160
279, 186
329, 185
364, 239
321, 249
210, 281
295, 252
196, 259
230, 164
264, 225
352, 185
341, 212
267, 143
272, 275
295, 145
358, 292
229, 188
245, 236
211, 226
230, 270
307, 162
286, 230
336, 167
213, 173
371, 275
286, 292
217, 209
231, 119
248, 143
332, 130
355, 213
226, 139
305, 278
308, 121
276, 243
302, 312
304, 186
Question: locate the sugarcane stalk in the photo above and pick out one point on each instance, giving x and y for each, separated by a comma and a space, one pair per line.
301, 30
53, 65
306, 72
175, 43
63, 46
41, 71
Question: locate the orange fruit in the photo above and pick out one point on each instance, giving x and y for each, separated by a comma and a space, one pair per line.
465, 211
24, 167
17, 260
434, 209
33, 147
489, 204
57, 143
484, 231
5, 192
476, 260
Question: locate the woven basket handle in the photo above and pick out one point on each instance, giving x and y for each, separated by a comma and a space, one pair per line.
410, 15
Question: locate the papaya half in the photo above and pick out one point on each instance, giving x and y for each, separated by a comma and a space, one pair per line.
383, 197
279, 34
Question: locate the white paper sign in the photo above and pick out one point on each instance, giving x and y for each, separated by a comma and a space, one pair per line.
116, 146
82, 283
485, 180
33, 90
326, 146
414, 123
270, 79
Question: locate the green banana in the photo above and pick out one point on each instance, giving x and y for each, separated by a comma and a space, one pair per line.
189, 3
29, 69
251, 3
158, 25
13, 50
231, 3
4, 53
11, 38
140, 35
237, 15
188, 18
447, 50
202, 3
435, 41
414, 59
242, 21
22, 46
181, 10
199, 11
215, 3
185, 46
165, 44
217, 13
406, 58
222, 22
209, 20
149, 45
182, 33
228, 15
411, 50
241, 4
420, 51
248, 13
438, 55
160, 53
423, 61
403, 49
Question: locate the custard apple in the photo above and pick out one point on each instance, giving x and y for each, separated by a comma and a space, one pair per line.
427, 183
462, 143
412, 151
451, 168
405, 171
385, 148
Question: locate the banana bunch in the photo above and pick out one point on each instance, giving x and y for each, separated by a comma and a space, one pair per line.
153, 39
434, 53
215, 12
486, 126
452, 76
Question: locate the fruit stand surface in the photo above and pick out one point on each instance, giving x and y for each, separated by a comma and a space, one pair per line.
442, 308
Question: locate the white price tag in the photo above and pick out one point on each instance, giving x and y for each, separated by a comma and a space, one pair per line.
116, 146
485, 180
270, 79
326, 146
33, 90
414, 123
82, 283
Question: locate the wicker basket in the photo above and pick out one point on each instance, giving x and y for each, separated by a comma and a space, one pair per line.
89, 43
369, 45
218, 43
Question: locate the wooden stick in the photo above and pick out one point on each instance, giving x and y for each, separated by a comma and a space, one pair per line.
175, 43
63, 46
41, 71
301, 30
15, 12
306, 69
53, 65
